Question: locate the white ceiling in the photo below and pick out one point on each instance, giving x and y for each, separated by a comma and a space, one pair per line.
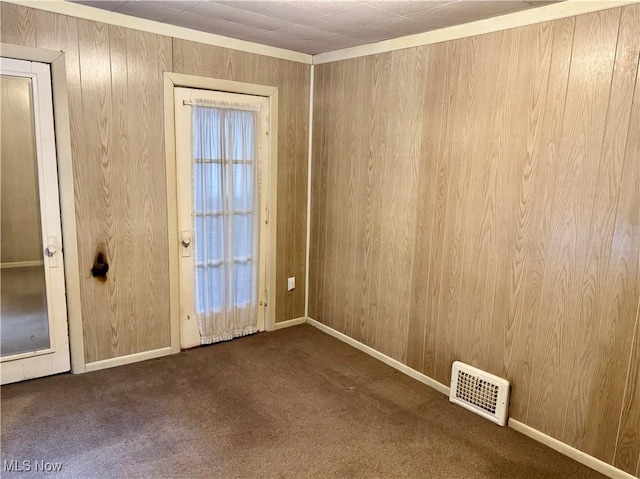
315, 26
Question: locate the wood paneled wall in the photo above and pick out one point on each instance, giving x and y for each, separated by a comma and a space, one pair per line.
479, 200
114, 80
115, 87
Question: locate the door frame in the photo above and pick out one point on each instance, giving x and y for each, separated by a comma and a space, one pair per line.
171, 81
62, 132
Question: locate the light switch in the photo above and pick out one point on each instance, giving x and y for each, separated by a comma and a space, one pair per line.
291, 283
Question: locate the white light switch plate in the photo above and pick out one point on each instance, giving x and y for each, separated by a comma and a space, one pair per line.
291, 284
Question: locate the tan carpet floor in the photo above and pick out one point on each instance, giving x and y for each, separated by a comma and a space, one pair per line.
289, 404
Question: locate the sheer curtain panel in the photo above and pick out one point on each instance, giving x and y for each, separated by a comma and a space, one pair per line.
225, 220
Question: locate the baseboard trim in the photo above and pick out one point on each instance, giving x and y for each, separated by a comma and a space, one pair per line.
290, 322
394, 363
575, 454
21, 264
131, 358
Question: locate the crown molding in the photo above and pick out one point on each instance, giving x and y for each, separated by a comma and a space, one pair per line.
64, 7
568, 8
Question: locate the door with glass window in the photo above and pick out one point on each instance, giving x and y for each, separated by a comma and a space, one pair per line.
33, 316
221, 155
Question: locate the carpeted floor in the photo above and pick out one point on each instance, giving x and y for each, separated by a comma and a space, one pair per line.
289, 404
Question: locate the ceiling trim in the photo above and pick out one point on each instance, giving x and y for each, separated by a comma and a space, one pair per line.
568, 8
118, 19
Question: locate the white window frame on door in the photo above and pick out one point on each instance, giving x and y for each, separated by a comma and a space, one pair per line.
55, 358
268, 234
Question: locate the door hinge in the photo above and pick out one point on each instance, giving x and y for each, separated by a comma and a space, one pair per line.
266, 298
268, 125
266, 217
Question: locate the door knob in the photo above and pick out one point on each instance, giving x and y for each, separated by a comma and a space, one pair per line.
51, 251
186, 242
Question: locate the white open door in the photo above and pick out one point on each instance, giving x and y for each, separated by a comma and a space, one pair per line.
33, 313
222, 194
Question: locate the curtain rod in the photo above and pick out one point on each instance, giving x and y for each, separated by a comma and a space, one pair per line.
222, 104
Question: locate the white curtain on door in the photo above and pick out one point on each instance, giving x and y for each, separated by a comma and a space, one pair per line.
226, 220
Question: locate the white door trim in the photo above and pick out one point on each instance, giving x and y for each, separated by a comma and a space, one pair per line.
56, 60
171, 81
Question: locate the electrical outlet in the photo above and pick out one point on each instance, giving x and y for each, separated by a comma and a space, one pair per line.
291, 283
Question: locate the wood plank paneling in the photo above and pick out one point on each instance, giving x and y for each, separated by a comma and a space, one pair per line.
391, 225
318, 94
357, 185
114, 82
341, 224
377, 142
122, 307
480, 152
94, 171
148, 57
302, 84
328, 258
18, 25
346, 223
407, 64
434, 360
539, 253
292, 80
320, 169
621, 294
523, 276
120, 198
61, 32
605, 327
415, 294
510, 242
582, 132
454, 235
